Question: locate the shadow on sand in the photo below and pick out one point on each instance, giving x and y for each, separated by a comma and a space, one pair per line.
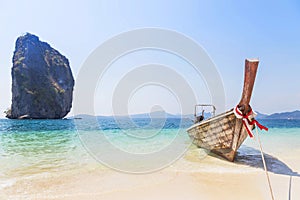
252, 157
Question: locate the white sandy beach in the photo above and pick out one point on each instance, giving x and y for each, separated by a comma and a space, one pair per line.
188, 178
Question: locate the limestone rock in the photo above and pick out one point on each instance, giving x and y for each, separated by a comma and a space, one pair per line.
42, 81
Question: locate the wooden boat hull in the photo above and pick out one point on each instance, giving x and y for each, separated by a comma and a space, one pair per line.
222, 134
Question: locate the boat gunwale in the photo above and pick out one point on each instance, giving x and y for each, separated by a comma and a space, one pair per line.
210, 119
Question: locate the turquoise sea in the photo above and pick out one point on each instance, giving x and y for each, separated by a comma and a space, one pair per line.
42, 148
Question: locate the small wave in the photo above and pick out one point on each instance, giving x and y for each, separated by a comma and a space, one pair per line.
7, 183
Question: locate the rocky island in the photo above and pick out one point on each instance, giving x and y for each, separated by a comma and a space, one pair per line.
42, 81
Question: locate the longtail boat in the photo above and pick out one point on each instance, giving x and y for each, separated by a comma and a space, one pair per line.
223, 134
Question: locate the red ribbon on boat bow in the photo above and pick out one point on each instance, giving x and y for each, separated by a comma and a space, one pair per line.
247, 121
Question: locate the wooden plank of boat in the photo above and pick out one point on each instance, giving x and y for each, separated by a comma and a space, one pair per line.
224, 134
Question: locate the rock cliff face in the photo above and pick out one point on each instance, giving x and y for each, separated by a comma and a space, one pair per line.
42, 81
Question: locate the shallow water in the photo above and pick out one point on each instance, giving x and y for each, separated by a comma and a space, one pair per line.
42, 148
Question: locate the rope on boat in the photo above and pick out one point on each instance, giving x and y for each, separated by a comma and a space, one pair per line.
265, 166
248, 119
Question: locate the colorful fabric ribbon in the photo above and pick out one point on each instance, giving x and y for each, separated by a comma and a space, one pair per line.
247, 122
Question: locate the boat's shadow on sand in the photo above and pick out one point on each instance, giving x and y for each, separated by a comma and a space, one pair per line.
252, 157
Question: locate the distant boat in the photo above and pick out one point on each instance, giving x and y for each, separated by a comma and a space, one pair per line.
223, 134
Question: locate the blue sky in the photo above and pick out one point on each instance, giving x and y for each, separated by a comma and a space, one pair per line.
229, 31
